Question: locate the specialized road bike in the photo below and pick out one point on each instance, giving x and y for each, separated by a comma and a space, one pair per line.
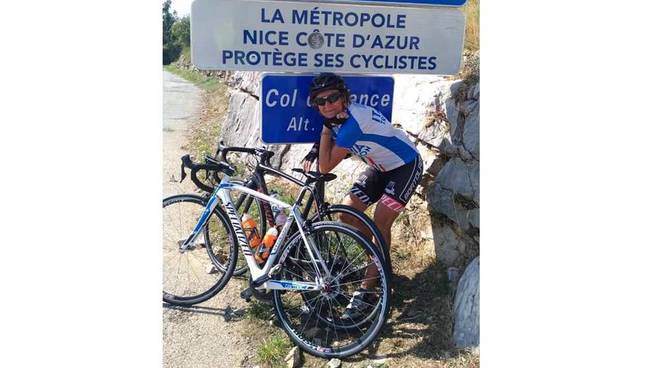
312, 271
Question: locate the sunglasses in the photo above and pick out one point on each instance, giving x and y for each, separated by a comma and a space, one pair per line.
320, 101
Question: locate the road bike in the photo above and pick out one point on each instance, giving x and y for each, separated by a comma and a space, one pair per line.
312, 271
263, 213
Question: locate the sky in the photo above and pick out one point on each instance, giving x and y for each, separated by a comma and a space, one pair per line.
182, 7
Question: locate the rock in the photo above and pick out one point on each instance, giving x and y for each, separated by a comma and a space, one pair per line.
473, 92
434, 134
432, 162
414, 97
466, 308
249, 82
446, 245
471, 132
211, 269
242, 121
334, 363
451, 245
293, 359
461, 177
379, 362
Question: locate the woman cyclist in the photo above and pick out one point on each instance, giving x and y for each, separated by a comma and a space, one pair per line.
394, 164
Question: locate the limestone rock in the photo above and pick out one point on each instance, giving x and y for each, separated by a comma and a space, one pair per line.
434, 134
460, 177
249, 82
471, 132
432, 161
466, 308
334, 363
414, 97
293, 359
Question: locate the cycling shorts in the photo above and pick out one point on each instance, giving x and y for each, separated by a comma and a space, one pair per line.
394, 188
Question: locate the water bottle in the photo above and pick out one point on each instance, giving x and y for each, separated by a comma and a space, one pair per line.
250, 228
266, 245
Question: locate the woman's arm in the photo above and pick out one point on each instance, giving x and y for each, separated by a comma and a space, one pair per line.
330, 155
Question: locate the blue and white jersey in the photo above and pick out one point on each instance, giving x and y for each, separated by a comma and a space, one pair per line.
372, 138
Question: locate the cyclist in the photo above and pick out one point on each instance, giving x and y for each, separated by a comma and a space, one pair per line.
394, 164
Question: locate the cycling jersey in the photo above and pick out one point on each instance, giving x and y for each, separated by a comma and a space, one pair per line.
372, 138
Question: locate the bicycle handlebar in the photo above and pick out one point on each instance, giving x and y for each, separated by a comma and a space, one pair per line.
211, 165
263, 154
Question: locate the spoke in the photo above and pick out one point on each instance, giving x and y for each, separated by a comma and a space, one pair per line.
300, 267
312, 312
351, 263
355, 270
305, 303
192, 270
178, 272
334, 321
294, 274
362, 280
354, 324
348, 296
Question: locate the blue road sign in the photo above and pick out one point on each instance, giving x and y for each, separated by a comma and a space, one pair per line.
288, 117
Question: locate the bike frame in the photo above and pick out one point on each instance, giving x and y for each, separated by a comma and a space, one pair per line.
257, 181
221, 196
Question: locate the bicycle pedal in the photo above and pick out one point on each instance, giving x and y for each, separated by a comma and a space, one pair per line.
247, 294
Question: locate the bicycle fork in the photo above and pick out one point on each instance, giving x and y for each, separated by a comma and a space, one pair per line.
201, 223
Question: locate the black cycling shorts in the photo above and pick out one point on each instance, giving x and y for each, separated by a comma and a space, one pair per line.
394, 188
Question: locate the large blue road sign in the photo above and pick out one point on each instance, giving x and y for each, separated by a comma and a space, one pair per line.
288, 117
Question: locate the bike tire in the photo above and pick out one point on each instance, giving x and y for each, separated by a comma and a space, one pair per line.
195, 284
286, 310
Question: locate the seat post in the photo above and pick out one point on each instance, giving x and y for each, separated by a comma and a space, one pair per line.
320, 185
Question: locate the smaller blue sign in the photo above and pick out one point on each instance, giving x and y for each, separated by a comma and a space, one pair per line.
287, 115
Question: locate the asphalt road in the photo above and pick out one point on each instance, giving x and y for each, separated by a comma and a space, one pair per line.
201, 336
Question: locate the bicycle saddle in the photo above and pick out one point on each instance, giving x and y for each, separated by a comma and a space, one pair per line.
313, 176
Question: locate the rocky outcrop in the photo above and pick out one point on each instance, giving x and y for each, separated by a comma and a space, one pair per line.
466, 308
442, 118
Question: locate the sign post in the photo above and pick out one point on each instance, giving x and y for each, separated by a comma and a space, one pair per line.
286, 36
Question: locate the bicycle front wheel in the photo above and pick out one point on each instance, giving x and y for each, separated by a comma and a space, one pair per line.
196, 274
319, 321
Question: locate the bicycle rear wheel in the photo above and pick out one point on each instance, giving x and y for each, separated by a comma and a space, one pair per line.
197, 274
315, 320
360, 220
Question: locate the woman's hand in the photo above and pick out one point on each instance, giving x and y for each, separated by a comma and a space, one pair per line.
311, 156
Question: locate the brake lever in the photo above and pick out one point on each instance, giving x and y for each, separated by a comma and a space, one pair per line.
183, 172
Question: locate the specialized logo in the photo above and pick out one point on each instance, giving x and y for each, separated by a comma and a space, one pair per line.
238, 229
391, 203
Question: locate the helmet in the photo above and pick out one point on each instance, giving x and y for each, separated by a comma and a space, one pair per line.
325, 82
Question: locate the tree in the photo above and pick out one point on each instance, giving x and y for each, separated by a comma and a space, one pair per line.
181, 31
171, 49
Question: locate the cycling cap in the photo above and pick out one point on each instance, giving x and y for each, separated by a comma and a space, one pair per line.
325, 82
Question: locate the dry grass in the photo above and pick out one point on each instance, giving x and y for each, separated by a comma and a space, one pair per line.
204, 135
471, 10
